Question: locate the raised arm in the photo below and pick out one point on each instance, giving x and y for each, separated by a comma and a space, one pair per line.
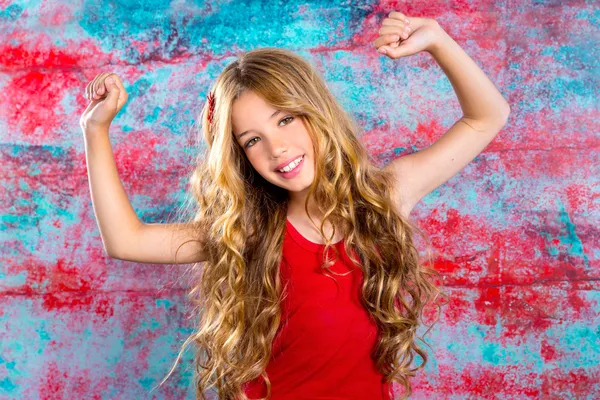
485, 111
124, 236
157, 244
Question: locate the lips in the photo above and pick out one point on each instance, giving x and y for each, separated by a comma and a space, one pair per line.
287, 162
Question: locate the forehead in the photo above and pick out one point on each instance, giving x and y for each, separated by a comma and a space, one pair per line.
249, 106
249, 112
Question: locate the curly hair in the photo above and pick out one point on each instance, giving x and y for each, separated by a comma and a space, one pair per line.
238, 294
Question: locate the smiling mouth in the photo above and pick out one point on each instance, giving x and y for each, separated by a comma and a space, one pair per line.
299, 161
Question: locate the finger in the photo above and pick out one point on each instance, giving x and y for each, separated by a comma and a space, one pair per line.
99, 81
399, 16
98, 84
123, 96
391, 34
395, 26
393, 22
402, 50
101, 85
404, 32
386, 39
118, 83
90, 88
390, 30
87, 91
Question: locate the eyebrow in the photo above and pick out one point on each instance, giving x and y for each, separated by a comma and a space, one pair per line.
270, 118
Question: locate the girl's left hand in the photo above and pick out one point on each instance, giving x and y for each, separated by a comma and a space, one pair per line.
399, 38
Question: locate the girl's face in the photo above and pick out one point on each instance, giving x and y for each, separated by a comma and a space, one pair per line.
270, 138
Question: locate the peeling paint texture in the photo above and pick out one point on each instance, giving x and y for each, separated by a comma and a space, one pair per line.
516, 233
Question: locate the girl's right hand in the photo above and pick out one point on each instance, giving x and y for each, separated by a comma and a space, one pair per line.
106, 100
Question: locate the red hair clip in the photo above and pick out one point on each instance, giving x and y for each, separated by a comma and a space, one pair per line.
211, 108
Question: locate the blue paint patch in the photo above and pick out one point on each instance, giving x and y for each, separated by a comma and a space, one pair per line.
400, 151
11, 13
493, 353
7, 386
584, 342
153, 115
567, 238
575, 93
432, 197
152, 324
87, 334
44, 337
472, 195
163, 303
165, 353
592, 15
578, 57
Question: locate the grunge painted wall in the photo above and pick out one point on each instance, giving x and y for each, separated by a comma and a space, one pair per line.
516, 232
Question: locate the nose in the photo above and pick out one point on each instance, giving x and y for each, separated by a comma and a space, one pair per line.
278, 147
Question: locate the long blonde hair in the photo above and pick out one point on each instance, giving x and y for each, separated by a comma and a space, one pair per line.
239, 291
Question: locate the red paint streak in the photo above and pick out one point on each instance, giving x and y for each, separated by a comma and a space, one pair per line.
488, 304
79, 383
64, 281
580, 198
477, 381
480, 381
560, 383
547, 351
456, 309
104, 307
36, 95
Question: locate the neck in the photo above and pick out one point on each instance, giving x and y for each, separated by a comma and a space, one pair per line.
296, 205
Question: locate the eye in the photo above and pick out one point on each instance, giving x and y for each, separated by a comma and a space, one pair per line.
284, 119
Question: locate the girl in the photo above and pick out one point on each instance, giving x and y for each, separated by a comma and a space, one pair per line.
311, 283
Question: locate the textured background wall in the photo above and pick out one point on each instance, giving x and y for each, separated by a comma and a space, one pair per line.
516, 232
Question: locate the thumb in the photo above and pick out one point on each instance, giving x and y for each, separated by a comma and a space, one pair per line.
395, 52
113, 90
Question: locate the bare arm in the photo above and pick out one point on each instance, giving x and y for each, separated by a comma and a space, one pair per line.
157, 244
124, 236
485, 112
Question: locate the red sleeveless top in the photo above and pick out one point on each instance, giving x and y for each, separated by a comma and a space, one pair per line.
323, 345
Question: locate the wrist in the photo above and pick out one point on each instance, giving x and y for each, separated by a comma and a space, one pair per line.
440, 39
94, 133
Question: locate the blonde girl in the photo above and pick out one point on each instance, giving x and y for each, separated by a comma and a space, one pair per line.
311, 285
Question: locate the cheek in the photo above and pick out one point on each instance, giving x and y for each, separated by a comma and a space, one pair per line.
259, 166
308, 143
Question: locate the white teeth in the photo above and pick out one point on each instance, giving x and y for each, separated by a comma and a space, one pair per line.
291, 165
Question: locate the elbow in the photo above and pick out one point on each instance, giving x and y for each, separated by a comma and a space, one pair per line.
110, 253
501, 119
505, 114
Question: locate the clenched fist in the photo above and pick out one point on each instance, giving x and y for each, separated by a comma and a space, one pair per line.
402, 36
107, 96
